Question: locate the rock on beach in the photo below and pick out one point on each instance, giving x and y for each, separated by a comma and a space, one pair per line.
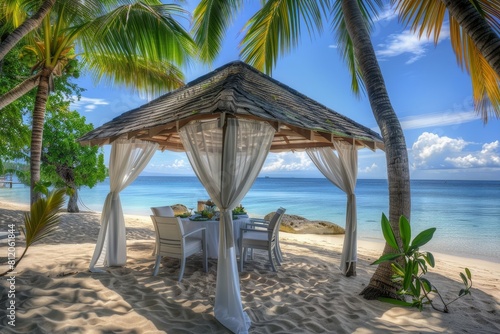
300, 225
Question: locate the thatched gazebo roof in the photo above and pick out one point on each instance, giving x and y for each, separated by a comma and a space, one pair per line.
240, 90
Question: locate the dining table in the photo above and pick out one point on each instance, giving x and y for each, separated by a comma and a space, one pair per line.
212, 231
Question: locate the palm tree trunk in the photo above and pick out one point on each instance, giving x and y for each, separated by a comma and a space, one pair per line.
485, 39
18, 91
37, 130
394, 140
27, 26
73, 201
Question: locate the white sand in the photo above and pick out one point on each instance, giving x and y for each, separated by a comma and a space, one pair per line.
55, 292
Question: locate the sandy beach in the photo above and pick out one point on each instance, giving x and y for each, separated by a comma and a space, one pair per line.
55, 292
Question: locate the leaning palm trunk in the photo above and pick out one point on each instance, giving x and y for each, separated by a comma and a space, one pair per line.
27, 26
73, 201
392, 133
41, 221
19, 91
37, 131
485, 39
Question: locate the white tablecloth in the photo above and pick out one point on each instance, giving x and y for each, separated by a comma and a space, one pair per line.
212, 232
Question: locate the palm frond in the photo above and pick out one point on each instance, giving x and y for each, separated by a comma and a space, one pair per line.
423, 16
13, 13
43, 218
140, 31
140, 75
347, 53
275, 30
345, 46
210, 23
427, 16
485, 81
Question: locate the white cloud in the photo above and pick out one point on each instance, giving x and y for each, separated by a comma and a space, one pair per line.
387, 14
176, 164
491, 147
87, 104
288, 162
407, 42
369, 169
438, 119
431, 151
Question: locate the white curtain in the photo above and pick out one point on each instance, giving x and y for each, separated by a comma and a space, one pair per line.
128, 158
227, 159
342, 171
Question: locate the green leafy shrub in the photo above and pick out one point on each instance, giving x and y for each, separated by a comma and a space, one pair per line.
410, 265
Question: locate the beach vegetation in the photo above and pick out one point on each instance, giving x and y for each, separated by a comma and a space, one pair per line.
41, 221
66, 163
410, 265
14, 132
138, 44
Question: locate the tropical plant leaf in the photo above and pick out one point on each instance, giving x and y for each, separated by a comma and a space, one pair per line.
408, 274
43, 217
275, 30
426, 284
469, 275
405, 231
429, 258
423, 237
418, 285
210, 23
389, 236
398, 269
387, 257
464, 279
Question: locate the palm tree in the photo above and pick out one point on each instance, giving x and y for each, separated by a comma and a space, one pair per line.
275, 30
134, 43
14, 14
474, 34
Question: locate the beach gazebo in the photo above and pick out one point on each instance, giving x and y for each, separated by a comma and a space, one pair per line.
227, 121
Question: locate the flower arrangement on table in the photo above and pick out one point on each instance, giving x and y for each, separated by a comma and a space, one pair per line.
209, 210
239, 210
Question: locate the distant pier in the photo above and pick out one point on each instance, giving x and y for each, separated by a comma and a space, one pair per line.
6, 182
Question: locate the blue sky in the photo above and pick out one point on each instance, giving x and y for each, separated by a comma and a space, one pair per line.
431, 95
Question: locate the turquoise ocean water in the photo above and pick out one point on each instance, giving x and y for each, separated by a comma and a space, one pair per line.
465, 213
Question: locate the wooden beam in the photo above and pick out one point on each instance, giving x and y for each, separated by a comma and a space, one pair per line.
275, 125
307, 134
327, 136
155, 130
133, 134
112, 139
298, 146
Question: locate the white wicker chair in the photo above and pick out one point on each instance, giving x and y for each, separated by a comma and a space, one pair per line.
171, 241
266, 239
279, 255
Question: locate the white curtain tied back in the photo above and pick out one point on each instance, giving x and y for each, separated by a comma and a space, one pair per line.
128, 158
227, 160
342, 171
